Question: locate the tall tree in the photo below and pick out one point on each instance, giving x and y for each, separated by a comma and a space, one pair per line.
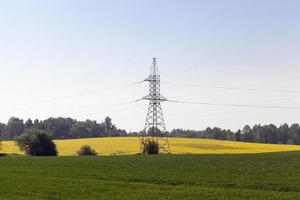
109, 127
79, 130
283, 133
238, 136
2, 131
15, 127
28, 124
247, 134
294, 134
58, 128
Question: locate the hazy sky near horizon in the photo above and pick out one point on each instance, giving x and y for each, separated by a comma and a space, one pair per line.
80, 59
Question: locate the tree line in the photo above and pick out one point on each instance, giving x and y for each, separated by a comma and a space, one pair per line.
284, 134
61, 128
68, 128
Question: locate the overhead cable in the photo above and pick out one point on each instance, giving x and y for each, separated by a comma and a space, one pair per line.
237, 105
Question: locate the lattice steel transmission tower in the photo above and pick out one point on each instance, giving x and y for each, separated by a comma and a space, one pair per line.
155, 125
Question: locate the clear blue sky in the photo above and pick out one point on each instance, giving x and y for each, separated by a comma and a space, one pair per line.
56, 49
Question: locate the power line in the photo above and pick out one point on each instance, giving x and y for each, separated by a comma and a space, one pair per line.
106, 110
98, 110
233, 88
245, 109
237, 105
72, 96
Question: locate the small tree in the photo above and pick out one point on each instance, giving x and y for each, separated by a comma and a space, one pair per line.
151, 147
36, 142
86, 150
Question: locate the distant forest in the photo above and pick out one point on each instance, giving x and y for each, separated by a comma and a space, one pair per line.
68, 128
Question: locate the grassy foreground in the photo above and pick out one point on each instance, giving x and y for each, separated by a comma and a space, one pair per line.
237, 176
130, 145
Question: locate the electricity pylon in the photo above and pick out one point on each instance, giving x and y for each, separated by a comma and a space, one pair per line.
154, 125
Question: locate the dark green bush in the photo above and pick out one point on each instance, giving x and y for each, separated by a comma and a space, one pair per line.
151, 147
86, 150
36, 142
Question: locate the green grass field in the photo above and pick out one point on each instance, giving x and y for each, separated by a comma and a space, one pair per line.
228, 176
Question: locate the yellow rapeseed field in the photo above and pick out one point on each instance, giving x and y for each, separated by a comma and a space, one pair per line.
130, 145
